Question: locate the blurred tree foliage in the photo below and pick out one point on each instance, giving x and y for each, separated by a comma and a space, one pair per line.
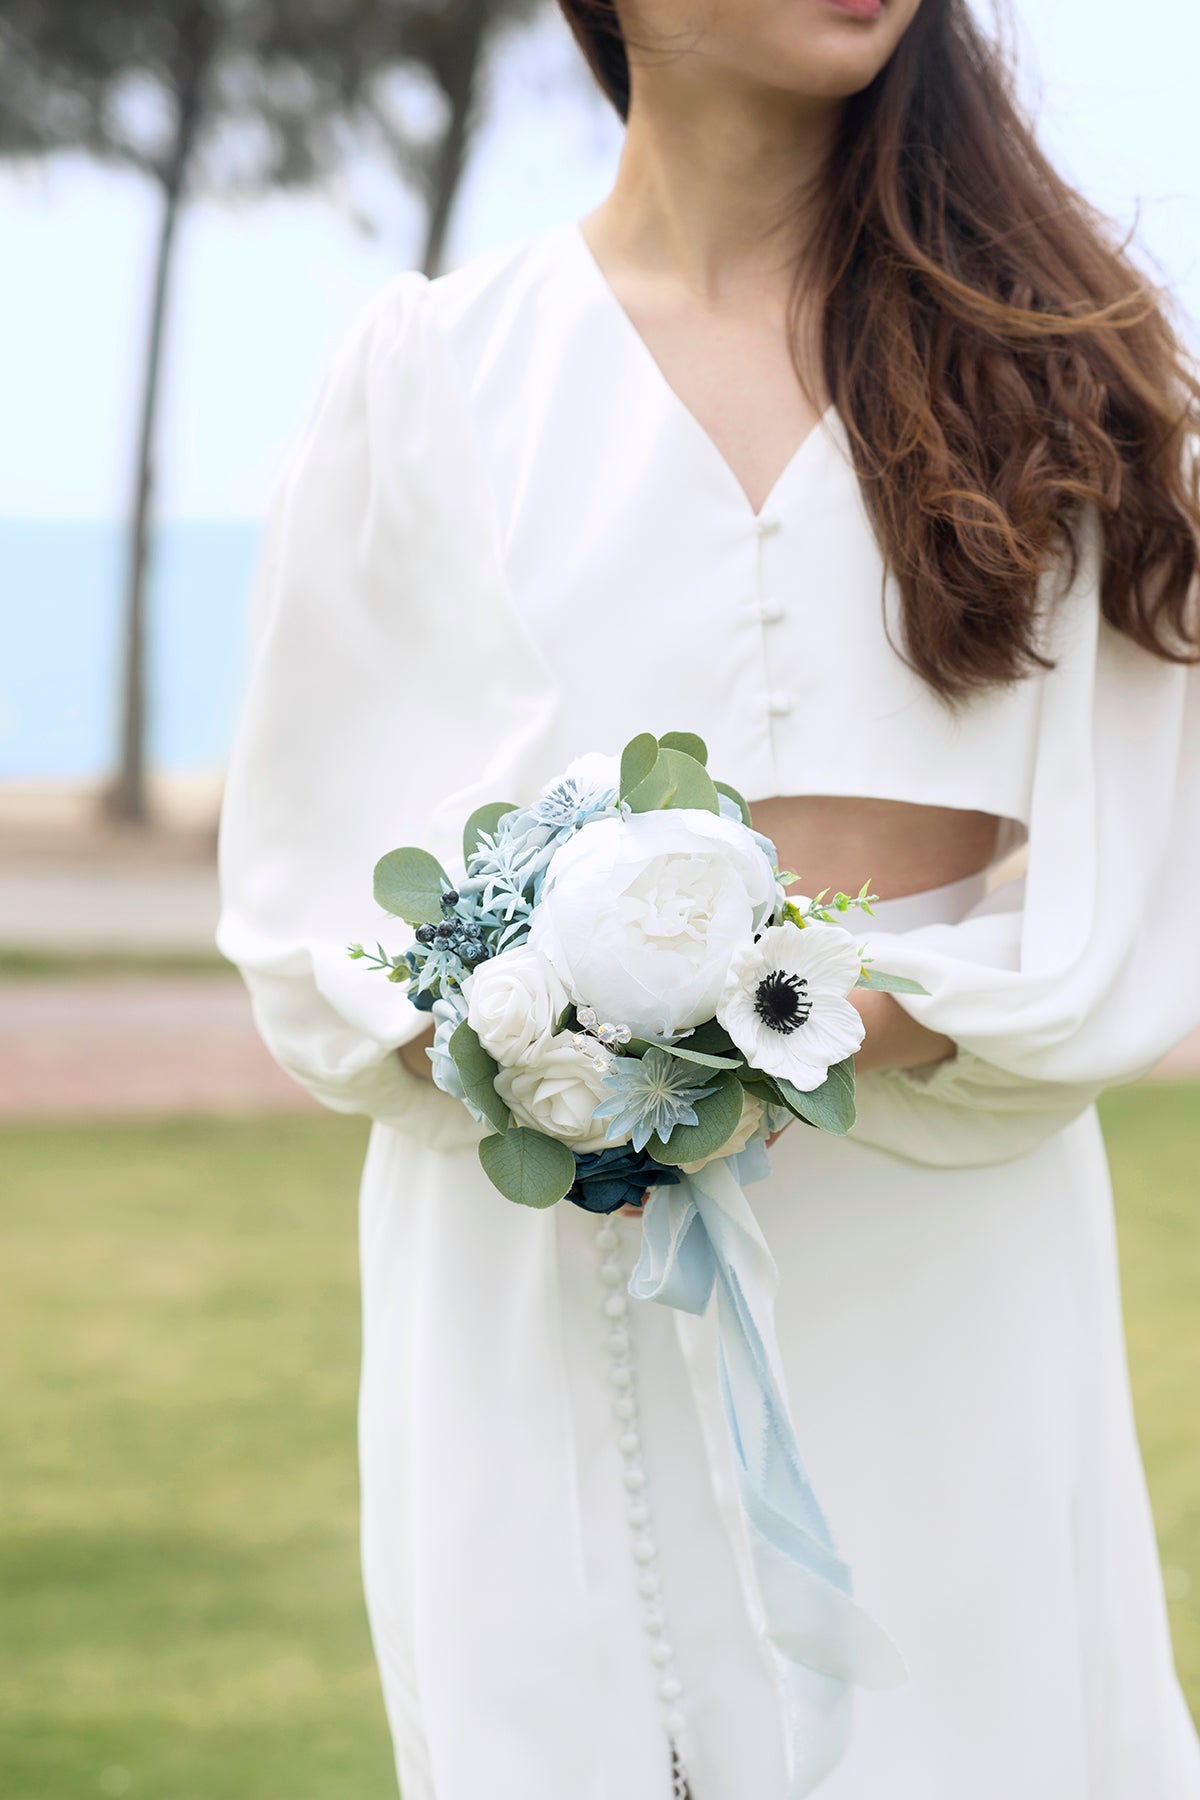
238, 96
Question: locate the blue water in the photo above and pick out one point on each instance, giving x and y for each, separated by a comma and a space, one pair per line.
61, 591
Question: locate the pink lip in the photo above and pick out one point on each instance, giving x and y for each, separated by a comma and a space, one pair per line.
859, 9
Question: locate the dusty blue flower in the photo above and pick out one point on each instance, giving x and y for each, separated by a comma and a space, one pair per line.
652, 1093
588, 788
608, 1179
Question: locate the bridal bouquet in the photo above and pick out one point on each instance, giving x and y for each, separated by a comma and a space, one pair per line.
621, 987
624, 992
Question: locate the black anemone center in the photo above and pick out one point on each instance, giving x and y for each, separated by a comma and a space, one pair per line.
781, 1001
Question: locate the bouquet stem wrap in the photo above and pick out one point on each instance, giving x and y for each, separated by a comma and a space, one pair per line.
702, 1236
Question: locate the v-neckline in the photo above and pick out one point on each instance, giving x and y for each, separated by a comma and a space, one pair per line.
822, 428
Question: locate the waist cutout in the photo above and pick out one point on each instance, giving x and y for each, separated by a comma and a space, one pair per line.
931, 906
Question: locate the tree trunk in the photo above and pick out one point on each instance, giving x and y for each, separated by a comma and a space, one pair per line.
460, 80
126, 798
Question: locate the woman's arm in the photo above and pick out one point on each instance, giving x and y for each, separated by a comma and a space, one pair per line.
894, 1039
413, 1055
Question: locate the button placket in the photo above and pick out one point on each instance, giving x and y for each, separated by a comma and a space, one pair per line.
622, 1376
778, 702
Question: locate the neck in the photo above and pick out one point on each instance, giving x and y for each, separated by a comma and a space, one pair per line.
717, 179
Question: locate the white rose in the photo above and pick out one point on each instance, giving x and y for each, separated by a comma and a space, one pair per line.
641, 915
751, 1120
556, 1089
514, 1001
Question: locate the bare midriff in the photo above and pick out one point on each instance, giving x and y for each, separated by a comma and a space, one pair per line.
830, 841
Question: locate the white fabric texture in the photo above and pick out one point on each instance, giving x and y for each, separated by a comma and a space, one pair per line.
500, 540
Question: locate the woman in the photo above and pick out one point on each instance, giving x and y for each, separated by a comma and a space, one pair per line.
840, 434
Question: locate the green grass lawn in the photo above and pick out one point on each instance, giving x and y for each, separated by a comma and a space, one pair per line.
181, 1616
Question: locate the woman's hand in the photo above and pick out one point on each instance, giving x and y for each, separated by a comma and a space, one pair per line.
413, 1056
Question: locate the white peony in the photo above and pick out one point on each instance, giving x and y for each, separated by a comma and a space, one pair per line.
556, 1089
641, 915
514, 1002
785, 1004
753, 1114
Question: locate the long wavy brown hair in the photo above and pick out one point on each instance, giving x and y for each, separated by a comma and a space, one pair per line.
998, 360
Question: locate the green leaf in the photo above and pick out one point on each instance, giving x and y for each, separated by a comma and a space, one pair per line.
478, 1073
688, 742
831, 1106
566, 1017
685, 1051
637, 759
528, 1167
712, 1038
676, 780
731, 793
410, 883
884, 983
717, 1117
484, 818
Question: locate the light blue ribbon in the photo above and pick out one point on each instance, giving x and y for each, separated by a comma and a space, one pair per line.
700, 1236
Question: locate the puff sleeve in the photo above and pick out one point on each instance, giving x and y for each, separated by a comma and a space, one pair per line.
1086, 973
378, 596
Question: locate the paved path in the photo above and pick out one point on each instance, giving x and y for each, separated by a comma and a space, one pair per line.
133, 1047
86, 904
137, 1046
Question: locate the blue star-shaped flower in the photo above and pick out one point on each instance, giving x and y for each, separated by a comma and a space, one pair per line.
651, 1093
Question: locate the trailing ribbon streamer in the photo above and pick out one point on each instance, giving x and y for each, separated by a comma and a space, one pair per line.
703, 1235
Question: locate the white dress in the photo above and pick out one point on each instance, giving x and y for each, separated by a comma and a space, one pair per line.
501, 540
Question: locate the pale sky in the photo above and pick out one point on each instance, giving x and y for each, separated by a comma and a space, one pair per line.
264, 291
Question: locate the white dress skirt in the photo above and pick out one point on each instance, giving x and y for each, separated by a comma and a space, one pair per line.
500, 541
955, 1361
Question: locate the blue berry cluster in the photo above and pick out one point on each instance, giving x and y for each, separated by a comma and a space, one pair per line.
464, 938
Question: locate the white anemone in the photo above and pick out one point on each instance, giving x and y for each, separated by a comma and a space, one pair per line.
784, 1002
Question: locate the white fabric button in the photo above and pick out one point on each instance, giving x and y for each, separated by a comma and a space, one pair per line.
635, 1480
669, 1689
661, 1655
676, 1723
779, 705
639, 1515
616, 1306
770, 611
765, 524
625, 1407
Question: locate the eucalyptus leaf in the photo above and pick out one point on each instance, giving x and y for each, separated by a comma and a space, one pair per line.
410, 883
688, 742
831, 1106
713, 1039
883, 983
528, 1167
477, 1071
484, 818
640, 1044
637, 760
717, 1117
676, 780
731, 793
